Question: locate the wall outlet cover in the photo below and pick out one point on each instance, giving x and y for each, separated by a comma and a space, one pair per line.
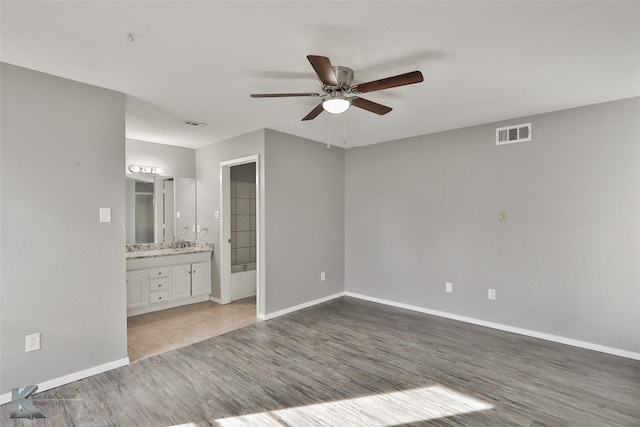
32, 342
492, 294
448, 287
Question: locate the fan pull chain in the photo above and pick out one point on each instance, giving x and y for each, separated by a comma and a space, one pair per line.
344, 129
328, 130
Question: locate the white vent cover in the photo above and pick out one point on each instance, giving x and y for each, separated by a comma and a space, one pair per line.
194, 123
513, 134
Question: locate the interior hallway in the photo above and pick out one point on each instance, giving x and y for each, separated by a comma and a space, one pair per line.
161, 331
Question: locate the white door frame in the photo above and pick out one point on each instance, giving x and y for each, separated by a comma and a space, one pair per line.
225, 229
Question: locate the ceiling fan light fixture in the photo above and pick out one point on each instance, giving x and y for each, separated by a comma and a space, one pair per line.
336, 105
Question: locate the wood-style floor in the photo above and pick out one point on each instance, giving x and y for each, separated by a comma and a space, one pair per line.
354, 363
161, 331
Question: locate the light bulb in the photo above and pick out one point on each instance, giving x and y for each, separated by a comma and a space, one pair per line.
336, 105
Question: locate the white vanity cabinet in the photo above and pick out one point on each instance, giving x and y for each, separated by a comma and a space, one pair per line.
136, 288
181, 281
191, 279
201, 278
158, 283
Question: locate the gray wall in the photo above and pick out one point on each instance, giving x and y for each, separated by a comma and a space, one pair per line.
62, 272
174, 161
301, 224
423, 211
208, 161
304, 220
185, 195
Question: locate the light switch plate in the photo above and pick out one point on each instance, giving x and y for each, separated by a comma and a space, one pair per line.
448, 287
105, 214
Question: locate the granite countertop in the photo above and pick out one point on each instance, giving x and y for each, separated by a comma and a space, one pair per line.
151, 250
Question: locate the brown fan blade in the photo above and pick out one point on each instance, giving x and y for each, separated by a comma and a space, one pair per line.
281, 95
389, 82
324, 69
370, 106
314, 113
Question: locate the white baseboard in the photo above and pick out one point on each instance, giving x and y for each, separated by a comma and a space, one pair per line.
237, 297
527, 332
216, 300
66, 379
301, 306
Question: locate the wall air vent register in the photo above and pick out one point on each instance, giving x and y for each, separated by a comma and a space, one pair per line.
513, 134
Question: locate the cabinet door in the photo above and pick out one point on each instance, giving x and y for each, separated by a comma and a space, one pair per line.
201, 278
180, 281
136, 288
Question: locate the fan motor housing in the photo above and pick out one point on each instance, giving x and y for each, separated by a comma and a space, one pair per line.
344, 75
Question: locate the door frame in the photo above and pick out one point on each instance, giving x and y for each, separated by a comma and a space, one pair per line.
225, 230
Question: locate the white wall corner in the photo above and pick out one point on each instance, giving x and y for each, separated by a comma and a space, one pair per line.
308, 304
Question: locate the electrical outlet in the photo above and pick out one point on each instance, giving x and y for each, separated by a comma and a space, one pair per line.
32, 342
448, 287
322, 277
492, 294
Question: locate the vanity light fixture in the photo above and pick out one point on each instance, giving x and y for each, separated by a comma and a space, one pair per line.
145, 169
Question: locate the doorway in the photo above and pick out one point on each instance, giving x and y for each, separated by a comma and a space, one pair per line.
240, 202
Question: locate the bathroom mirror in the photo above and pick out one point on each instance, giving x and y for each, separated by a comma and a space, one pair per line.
160, 209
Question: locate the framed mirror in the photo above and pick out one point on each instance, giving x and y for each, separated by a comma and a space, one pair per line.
160, 209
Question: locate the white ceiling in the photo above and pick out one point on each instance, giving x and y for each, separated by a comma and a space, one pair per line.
482, 61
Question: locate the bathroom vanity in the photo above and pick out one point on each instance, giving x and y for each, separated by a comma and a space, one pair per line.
166, 275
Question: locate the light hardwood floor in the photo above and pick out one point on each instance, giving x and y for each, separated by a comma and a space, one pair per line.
161, 331
354, 363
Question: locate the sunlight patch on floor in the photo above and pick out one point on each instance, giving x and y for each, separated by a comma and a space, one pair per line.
381, 410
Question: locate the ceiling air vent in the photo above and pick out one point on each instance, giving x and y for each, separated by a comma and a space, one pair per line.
513, 134
194, 123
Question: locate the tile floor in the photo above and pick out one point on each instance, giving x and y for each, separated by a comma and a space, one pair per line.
161, 331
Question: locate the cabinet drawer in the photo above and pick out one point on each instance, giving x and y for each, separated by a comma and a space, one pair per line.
159, 272
160, 296
157, 284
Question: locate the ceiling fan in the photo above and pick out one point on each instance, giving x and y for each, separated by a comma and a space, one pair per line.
337, 85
